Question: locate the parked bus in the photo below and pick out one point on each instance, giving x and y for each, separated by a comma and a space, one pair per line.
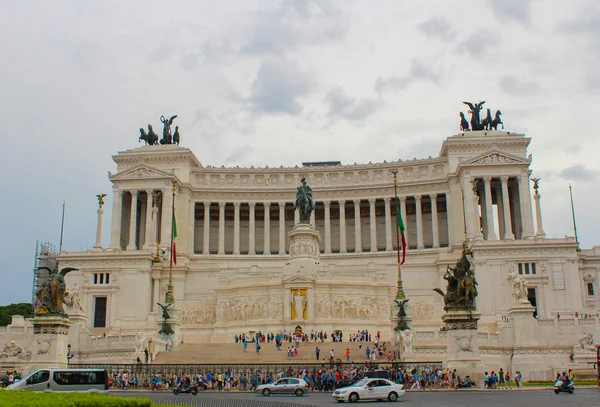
54, 379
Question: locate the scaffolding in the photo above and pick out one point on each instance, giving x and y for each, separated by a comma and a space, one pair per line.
45, 256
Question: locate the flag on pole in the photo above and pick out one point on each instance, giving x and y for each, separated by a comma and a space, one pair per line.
401, 227
174, 248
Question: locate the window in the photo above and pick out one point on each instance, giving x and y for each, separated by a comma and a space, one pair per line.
65, 378
590, 289
39, 377
100, 312
101, 278
91, 377
531, 296
527, 268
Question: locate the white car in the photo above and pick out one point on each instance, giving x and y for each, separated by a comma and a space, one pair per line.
369, 389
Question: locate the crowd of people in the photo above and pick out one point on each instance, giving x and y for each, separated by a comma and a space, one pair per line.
10, 377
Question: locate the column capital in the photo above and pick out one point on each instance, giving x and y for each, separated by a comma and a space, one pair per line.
267, 204
149, 192
342, 202
504, 179
487, 180
402, 199
417, 198
327, 203
356, 201
222, 205
387, 199
237, 205
433, 197
134, 192
206, 203
372, 200
281, 204
252, 204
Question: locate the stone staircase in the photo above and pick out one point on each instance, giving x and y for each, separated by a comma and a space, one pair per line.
215, 353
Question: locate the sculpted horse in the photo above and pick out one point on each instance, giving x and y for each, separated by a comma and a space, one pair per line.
464, 124
487, 121
176, 136
497, 121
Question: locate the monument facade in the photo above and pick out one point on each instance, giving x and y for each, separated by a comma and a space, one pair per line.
256, 252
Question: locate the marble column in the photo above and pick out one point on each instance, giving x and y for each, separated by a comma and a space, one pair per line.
508, 232
267, 232
489, 214
434, 221
281, 227
500, 211
133, 221
252, 230
236, 227
420, 243
206, 231
343, 248
449, 218
373, 224
312, 216
327, 227
389, 244
115, 233
525, 204
221, 249
98, 244
167, 217
538, 215
357, 227
148, 239
155, 293
296, 216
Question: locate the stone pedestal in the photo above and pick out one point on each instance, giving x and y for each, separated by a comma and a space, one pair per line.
524, 324
50, 340
463, 345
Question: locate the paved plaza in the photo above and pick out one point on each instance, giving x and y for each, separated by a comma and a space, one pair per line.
584, 397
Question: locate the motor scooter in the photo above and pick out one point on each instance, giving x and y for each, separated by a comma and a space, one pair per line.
192, 389
560, 386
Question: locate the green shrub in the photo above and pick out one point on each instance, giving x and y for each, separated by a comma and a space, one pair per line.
29, 399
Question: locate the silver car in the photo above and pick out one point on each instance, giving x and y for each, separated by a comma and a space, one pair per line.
288, 385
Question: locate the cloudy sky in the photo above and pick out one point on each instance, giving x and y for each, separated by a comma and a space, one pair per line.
355, 81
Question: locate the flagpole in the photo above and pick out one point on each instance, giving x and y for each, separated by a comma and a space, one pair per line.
573, 213
62, 228
170, 297
400, 293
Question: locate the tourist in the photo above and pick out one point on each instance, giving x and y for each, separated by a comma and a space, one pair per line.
416, 381
296, 352
245, 346
368, 352
501, 377
317, 351
331, 354
257, 346
486, 381
347, 355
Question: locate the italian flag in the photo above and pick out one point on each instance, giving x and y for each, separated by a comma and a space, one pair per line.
174, 248
401, 228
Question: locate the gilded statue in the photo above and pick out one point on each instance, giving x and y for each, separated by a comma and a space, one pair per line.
51, 296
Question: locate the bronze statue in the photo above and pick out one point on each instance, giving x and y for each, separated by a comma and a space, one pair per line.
497, 121
536, 184
176, 136
304, 201
401, 310
167, 138
464, 124
475, 121
461, 287
486, 123
152, 136
50, 297
165, 313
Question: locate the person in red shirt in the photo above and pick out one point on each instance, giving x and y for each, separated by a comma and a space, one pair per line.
347, 355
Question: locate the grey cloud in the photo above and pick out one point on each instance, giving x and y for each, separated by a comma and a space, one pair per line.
438, 27
518, 10
478, 44
292, 24
514, 85
587, 23
579, 172
392, 83
573, 149
277, 86
421, 70
341, 105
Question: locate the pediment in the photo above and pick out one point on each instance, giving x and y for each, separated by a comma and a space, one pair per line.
497, 158
140, 172
299, 279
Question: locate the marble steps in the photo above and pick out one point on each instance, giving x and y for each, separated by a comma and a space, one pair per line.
232, 353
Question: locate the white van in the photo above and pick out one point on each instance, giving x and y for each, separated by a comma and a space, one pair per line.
54, 379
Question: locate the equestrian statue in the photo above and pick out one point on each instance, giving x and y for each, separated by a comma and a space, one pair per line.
304, 201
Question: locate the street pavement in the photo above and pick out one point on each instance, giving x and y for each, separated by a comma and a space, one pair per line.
583, 397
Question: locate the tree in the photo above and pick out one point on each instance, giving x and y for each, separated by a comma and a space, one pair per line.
7, 311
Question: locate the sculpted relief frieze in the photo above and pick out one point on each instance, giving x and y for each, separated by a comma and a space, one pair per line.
203, 312
246, 308
359, 308
304, 247
420, 310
